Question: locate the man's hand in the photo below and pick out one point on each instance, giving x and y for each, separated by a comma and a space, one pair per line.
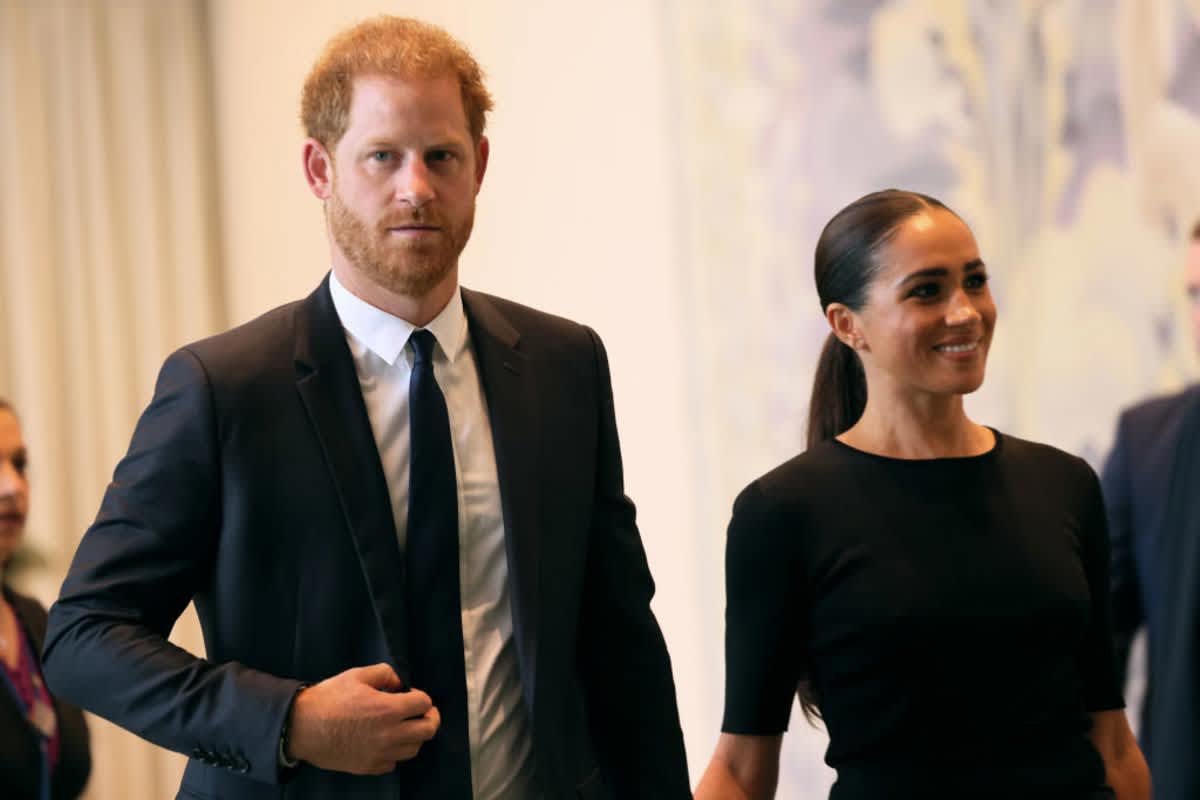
359, 722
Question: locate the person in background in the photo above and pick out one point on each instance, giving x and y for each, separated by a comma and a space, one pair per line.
934, 589
1152, 491
397, 504
43, 741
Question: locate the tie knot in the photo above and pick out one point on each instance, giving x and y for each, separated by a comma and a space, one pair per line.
423, 343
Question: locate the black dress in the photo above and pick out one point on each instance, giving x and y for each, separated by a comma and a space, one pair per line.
20, 749
951, 614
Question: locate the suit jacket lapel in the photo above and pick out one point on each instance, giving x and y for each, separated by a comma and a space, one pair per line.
512, 400
328, 385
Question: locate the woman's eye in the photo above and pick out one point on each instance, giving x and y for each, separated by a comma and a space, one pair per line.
976, 281
19, 464
381, 156
925, 291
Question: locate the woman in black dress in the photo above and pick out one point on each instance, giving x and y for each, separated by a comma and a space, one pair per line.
935, 590
43, 742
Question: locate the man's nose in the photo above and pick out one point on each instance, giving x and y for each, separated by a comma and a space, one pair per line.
414, 183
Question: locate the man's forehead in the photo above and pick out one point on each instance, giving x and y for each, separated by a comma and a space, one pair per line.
378, 94
410, 80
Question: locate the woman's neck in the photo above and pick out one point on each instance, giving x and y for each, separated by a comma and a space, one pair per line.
926, 427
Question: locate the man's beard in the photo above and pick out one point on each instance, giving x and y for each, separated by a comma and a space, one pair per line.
407, 267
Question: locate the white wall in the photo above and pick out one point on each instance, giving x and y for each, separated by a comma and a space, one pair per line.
576, 217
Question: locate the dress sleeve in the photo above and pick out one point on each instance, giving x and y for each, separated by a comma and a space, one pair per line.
1127, 613
1097, 659
764, 618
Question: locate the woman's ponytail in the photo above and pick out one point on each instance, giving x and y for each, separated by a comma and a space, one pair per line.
839, 392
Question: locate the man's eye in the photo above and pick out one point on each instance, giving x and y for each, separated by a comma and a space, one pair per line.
19, 464
381, 156
976, 281
440, 156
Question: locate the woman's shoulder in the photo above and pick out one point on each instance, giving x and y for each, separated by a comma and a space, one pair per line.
819, 462
1028, 454
776, 516
1037, 465
29, 611
23, 601
816, 472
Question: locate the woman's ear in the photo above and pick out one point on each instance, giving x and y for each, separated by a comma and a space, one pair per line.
844, 323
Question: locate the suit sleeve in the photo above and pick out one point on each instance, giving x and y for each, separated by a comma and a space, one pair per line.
148, 552
625, 667
1127, 613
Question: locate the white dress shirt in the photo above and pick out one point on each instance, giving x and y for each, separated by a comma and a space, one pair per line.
501, 747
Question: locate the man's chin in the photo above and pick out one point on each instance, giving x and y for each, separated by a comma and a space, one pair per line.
415, 281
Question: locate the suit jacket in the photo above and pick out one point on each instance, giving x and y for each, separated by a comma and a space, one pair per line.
1152, 492
253, 487
20, 759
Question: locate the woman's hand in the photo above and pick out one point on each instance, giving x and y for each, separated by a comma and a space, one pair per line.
742, 768
1124, 767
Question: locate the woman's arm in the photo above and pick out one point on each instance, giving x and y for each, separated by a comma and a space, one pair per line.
742, 768
765, 646
1124, 767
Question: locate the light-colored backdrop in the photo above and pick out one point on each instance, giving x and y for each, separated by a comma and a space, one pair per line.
659, 171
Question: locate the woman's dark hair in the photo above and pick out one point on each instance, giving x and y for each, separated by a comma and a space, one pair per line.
845, 265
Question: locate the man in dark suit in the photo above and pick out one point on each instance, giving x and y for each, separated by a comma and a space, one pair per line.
1152, 491
397, 505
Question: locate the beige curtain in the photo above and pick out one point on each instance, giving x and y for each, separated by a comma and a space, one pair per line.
108, 248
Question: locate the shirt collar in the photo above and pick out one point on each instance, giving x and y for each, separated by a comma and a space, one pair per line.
386, 335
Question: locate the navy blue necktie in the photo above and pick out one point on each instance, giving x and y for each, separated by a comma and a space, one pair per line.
435, 638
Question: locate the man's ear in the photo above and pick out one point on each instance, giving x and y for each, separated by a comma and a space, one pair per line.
318, 168
844, 324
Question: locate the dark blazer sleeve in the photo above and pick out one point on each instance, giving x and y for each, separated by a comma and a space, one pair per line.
148, 553
624, 665
1127, 612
